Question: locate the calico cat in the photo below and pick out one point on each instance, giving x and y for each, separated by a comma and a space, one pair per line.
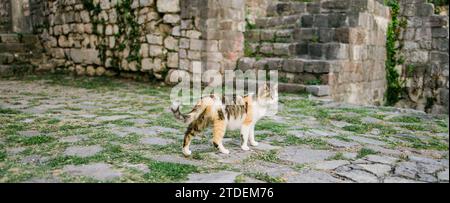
238, 112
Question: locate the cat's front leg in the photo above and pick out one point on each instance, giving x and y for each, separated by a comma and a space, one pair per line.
252, 136
245, 132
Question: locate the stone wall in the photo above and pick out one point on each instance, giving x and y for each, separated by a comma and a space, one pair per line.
329, 48
112, 37
211, 36
5, 16
361, 78
159, 37
255, 9
424, 43
37, 15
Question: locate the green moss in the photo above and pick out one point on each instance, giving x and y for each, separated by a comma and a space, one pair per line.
270, 156
2, 154
346, 118
406, 119
283, 79
169, 172
53, 121
240, 179
360, 129
300, 104
249, 25
277, 128
13, 128
8, 111
415, 127
337, 156
427, 144
123, 123
314, 82
342, 138
67, 160
314, 39
36, 140
267, 178
316, 143
365, 152
248, 51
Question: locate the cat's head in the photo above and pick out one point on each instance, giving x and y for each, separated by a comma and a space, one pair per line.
268, 94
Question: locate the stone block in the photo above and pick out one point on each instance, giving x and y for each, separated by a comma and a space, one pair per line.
168, 6
172, 60
84, 56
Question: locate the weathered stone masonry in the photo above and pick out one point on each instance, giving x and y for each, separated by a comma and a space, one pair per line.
425, 50
104, 41
211, 35
174, 37
334, 48
330, 48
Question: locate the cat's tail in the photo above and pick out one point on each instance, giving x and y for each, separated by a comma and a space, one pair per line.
189, 117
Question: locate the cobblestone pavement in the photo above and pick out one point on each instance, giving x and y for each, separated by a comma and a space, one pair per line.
57, 129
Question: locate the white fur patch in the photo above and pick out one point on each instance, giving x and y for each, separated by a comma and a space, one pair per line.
175, 106
234, 124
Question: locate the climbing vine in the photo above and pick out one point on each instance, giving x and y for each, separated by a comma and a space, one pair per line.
128, 24
394, 84
126, 37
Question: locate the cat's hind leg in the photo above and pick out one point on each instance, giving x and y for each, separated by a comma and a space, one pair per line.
218, 134
194, 128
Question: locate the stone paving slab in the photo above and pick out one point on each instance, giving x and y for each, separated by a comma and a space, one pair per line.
304, 155
358, 176
156, 141
73, 139
330, 165
83, 151
219, 177
99, 171
310, 176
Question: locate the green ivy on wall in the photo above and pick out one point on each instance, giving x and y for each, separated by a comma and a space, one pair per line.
128, 35
394, 84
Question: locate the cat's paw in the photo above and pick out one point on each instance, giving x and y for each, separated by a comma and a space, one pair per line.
254, 144
187, 152
225, 151
245, 148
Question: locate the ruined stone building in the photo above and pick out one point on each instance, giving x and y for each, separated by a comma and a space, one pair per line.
334, 48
